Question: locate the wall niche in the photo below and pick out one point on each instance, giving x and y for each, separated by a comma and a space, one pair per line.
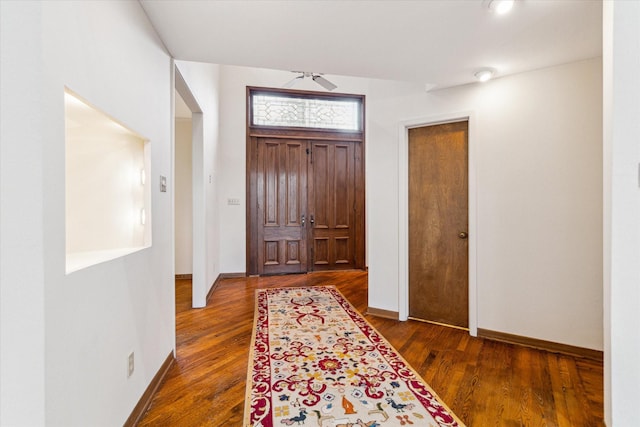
107, 194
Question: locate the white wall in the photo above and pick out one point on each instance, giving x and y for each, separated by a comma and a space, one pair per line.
22, 140
66, 338
183, 197
234, 81
621, 117
539, 175
202, 80
539, 180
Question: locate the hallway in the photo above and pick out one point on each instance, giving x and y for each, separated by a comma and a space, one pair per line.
484, 382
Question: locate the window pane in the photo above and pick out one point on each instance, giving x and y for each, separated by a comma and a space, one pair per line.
273, 110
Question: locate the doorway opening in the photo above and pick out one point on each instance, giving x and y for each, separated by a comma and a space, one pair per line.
189, 248
469, 238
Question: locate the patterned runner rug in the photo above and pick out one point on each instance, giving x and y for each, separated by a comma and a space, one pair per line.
317, 361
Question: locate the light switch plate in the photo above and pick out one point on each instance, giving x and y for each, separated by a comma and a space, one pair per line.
163, 184
233, 201
130, 365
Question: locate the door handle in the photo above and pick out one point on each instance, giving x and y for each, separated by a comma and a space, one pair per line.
302, 221
312, 220
463, 235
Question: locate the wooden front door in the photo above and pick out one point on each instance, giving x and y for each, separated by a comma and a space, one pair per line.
438, 223
282, 201
305, 181
307, 205
332, 208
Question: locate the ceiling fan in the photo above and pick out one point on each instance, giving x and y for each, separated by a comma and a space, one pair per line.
316, 77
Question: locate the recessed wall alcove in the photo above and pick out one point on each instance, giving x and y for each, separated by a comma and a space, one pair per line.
107, 194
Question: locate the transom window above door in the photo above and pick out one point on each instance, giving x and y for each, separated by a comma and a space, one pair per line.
312, 111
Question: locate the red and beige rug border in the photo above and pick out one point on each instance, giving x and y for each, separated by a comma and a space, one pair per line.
344, 301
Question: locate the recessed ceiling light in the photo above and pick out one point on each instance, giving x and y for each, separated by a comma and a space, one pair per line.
501, 6
484, 74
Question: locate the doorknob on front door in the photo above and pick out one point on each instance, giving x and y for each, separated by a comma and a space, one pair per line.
302, 221
463, 235
312, 220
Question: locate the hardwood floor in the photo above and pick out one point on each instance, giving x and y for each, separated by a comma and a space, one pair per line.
486, 383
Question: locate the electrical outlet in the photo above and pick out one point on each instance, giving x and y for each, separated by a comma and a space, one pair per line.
130, 366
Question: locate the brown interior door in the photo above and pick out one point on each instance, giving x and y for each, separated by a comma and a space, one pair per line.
332, 205
438, 223
282, 198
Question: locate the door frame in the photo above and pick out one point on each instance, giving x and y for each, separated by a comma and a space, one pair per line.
403, 209
254, 132
199, 287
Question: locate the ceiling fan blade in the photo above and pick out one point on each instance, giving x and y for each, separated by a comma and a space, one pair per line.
291, 82
324, 82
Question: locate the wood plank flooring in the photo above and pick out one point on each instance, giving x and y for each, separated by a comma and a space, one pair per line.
486, 383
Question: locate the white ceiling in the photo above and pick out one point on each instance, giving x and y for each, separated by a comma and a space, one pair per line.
438, 42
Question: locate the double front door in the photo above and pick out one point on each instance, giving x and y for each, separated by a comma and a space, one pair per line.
309, 199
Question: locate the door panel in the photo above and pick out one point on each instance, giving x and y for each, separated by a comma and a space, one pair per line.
438, 214
321, 251
332, 184
322, 182
320, 186
281, 193
343, 165
343, 250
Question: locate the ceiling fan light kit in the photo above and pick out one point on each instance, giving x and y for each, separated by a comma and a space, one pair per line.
324, 82
316, 77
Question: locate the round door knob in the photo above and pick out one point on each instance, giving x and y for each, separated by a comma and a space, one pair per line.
463, 235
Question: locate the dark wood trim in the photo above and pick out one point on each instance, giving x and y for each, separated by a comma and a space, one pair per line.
361, 232
551, 346
296, 93
387, 314
147, 396
294, 133
212, 288
220, 277
184, 276
232, 275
